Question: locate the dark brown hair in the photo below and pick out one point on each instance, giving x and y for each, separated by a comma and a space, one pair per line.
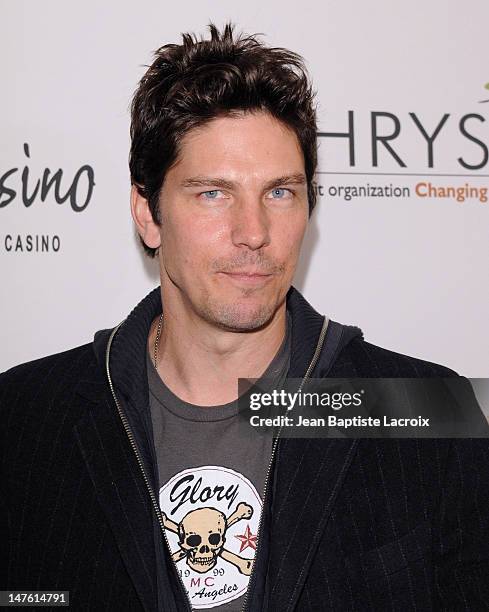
190, 84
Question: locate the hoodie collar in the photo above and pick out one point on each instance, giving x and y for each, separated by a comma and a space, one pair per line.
129, 346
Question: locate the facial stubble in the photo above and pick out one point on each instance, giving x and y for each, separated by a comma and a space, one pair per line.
237, 315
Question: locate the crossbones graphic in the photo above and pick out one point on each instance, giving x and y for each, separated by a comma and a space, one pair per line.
202, 534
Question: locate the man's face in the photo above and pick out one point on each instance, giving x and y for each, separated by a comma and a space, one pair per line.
234, 211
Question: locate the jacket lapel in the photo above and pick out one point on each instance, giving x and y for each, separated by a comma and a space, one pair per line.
120, 487
308, 476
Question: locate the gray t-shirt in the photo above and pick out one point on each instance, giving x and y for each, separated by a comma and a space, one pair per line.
211, 484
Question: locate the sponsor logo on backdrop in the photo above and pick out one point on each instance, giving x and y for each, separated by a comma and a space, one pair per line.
372, 176
20, 186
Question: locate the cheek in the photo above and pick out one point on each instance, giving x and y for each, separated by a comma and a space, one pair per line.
193, 241
288, 239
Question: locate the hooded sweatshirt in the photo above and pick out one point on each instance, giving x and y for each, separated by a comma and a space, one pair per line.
76, 433
313, 342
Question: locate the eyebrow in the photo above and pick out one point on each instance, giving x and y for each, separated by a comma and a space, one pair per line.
215, 181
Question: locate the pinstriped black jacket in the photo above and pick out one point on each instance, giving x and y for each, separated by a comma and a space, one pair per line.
370, 524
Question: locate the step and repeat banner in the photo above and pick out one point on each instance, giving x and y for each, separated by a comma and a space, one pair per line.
399, 242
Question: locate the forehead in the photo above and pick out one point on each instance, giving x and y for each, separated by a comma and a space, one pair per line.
238, 146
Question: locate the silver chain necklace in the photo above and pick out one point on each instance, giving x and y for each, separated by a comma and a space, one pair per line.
157, 340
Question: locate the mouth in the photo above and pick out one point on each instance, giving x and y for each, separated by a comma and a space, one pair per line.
247, 277
204, 560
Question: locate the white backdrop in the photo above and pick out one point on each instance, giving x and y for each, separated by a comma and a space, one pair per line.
411, 271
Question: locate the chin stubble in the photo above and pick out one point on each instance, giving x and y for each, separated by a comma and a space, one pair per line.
235, 317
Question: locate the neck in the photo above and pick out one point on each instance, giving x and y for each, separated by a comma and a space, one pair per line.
201, 363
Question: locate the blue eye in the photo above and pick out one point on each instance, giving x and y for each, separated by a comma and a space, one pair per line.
211, 195
279, 192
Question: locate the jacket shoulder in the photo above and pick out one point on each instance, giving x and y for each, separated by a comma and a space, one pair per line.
47, 372
363, 359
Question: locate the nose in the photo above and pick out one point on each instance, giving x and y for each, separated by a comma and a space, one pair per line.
250, 225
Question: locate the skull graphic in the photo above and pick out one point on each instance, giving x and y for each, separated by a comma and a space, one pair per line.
201, 535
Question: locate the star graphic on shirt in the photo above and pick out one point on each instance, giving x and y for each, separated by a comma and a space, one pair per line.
248, 540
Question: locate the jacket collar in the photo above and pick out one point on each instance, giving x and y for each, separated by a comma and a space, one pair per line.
128, 352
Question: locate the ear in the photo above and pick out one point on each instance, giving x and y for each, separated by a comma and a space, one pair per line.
141, 214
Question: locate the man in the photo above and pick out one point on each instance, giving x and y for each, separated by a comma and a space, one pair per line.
124, 479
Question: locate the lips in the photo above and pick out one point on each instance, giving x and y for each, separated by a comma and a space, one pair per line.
248, 276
